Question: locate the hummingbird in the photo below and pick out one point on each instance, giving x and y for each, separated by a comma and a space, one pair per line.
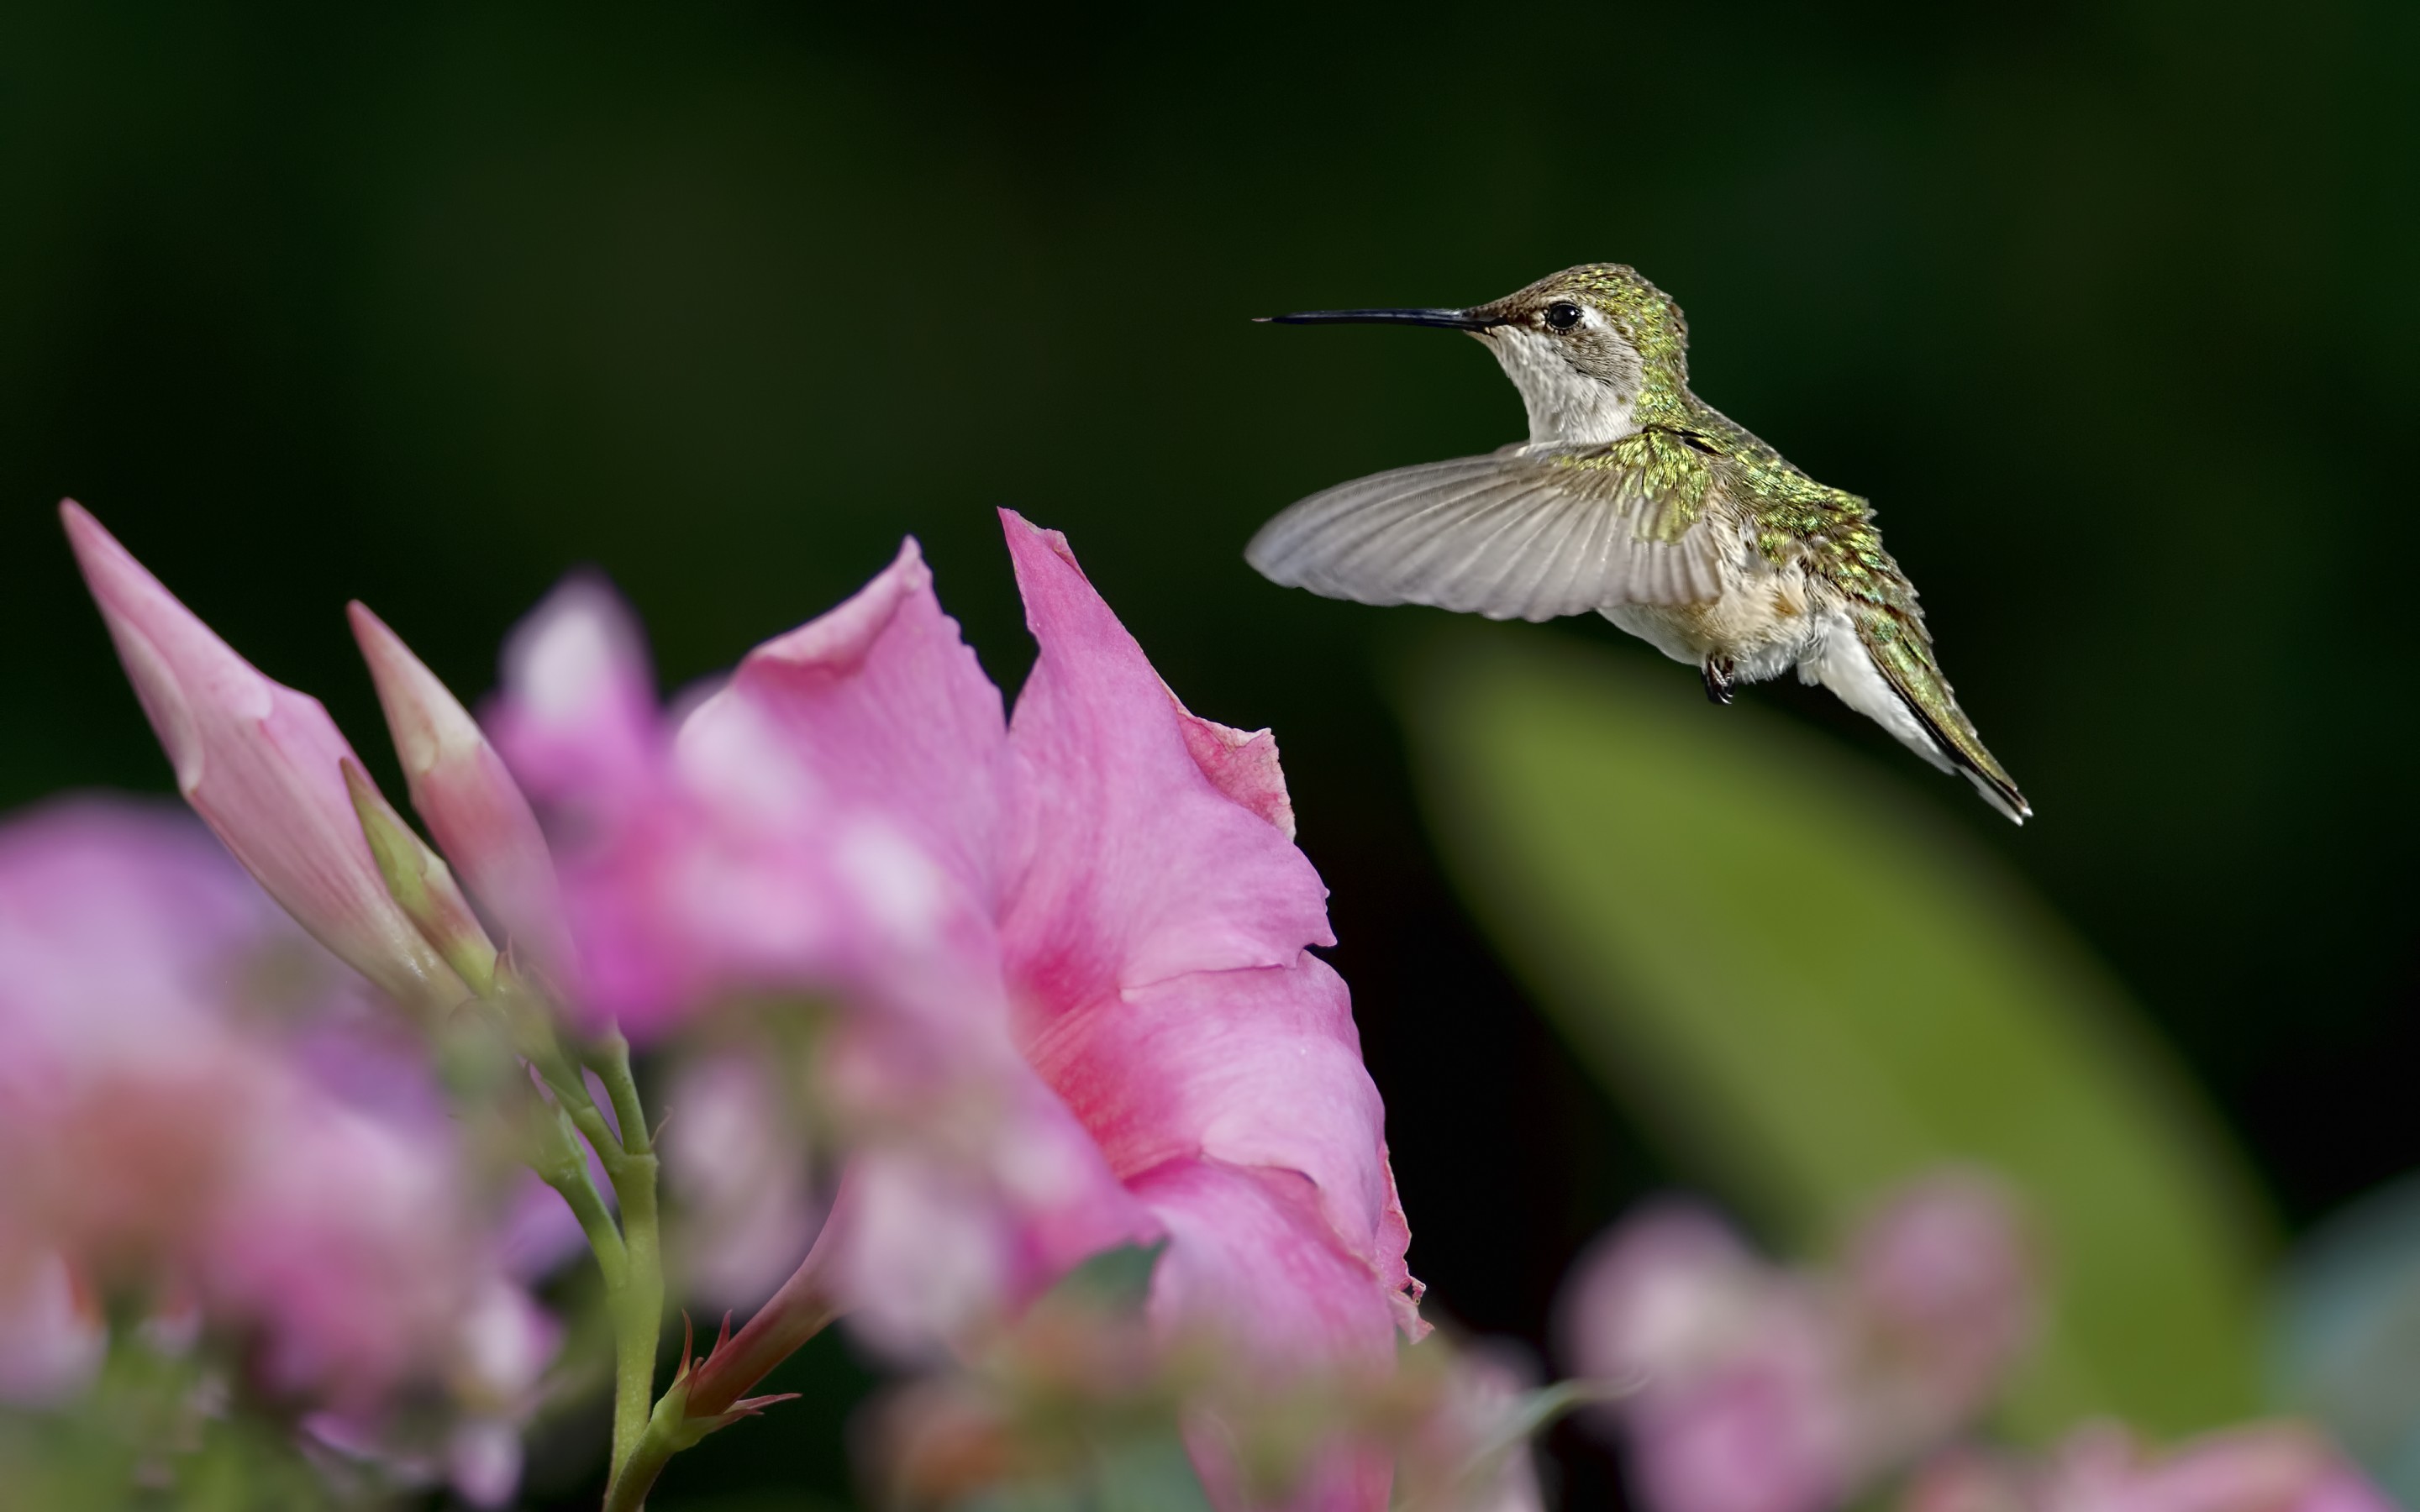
1637, 499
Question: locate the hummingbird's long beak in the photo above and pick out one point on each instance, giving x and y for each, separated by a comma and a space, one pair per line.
1449, 319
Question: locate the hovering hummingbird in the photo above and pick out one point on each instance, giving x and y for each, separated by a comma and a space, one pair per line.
1635, 498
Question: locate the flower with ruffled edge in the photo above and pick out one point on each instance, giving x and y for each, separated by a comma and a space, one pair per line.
1076, 940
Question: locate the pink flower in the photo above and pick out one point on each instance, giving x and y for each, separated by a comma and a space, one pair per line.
2266, 1467
169, 1075
1742, 1400
1765, 1390
737, 1156
1470, 1451
1074, 944
1943, 1284
123, 934
693, 869
1069, 951
502, 1345
260, 762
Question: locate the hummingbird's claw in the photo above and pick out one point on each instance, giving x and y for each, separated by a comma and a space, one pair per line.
1717, 671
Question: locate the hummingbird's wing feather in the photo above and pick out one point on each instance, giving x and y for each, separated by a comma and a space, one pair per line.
1516, 535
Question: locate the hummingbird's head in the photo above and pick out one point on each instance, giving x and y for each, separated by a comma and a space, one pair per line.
1582, 346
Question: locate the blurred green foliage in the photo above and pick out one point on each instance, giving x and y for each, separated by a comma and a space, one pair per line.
105, 1456
1813, 989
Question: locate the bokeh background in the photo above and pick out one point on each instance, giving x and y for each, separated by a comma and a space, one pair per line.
2110, 309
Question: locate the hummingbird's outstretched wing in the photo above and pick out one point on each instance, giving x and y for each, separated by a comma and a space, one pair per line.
1527, 532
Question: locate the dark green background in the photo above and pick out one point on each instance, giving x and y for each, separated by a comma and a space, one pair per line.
2112, 310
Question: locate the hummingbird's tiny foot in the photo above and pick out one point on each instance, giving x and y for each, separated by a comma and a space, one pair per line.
1717, 671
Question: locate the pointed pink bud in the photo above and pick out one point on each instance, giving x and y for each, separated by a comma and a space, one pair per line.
460, 787
258, 761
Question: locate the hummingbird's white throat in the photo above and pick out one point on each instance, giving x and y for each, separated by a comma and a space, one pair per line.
1568, 402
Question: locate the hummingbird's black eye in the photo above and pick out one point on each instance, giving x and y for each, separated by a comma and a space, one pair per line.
1562, 315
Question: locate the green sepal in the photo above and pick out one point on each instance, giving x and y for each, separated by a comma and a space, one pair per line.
421, 883
1114, 1280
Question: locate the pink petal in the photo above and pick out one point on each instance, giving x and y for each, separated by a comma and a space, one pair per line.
1340, 1477
204, 1111
483, 825
1942, 1271
738, 1157
676, 883
259, 763
830, 816
1664, 1296
971, 1187
1253, 1256
779, 842
129, 940
576, 716
483, 1463
884, 704
1767, 1434
119, 916
2264, 1467
333, 1240
1134, 866
1252, 1260
1257, 1067
1240, 764
687, 900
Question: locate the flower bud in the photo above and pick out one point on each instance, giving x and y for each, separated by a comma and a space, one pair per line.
259, 763
459, 785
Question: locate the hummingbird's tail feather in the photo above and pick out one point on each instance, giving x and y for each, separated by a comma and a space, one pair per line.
1958, 741
1954, 749
1883, 668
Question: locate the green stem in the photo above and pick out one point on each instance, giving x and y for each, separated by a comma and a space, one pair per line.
561, 1163
599, 1134
571, 1090
612, 1062
637, 1306
627, 1490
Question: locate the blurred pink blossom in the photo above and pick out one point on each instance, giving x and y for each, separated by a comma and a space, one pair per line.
2267, 1467
735, 1153
1940, 1283
166, 1073
500, 1349
1742, 1399
1470, 1451
696, 863
1760, 1389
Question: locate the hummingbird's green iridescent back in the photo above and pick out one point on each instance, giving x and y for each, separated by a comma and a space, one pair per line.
1634, 497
